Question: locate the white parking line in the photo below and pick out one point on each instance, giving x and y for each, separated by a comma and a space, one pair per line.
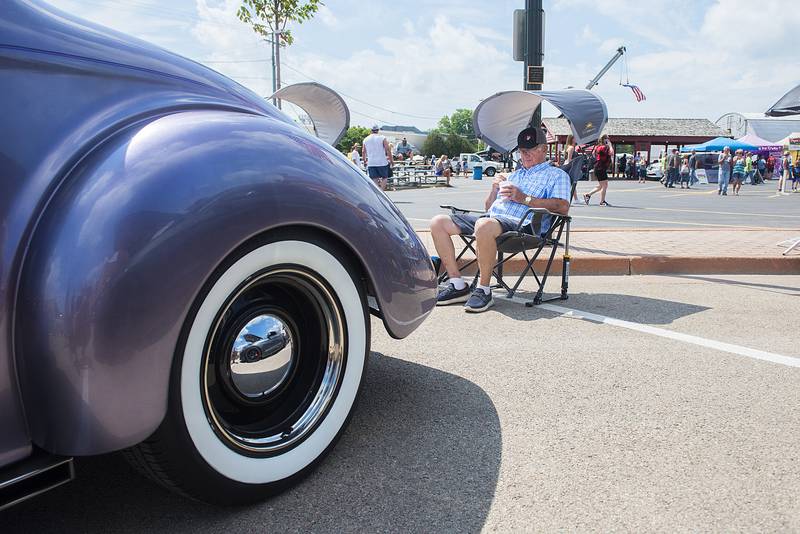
686, 338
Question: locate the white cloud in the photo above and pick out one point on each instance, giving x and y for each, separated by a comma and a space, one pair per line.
327, 17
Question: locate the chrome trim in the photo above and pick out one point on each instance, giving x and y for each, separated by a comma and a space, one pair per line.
40, 472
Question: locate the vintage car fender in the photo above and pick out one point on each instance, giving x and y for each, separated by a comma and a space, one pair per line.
138, 227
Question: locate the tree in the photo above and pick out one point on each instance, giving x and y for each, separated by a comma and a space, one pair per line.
269, 19
353, 135
459, 123
434, 144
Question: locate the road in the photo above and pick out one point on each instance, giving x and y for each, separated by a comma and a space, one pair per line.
633, 205
642, 403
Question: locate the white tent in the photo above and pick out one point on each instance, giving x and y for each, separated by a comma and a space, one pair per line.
327, 110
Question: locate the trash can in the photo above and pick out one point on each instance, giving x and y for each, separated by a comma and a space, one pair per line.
477, 172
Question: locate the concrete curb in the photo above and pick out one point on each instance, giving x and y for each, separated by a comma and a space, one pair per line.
623, 265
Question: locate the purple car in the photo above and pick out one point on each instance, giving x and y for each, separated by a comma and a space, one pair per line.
185, 274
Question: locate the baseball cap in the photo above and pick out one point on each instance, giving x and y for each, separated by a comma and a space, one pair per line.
375, 127
531, 137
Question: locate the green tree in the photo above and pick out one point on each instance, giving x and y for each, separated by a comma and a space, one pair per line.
269, 18
459, 123
353, 135
434, 144
457, 145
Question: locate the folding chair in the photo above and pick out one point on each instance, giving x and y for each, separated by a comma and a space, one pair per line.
528, 241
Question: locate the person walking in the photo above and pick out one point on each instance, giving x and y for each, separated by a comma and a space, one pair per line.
738, 171
761, 169
673, 168
685, 174
748, 167
693, 168
786, 168
378, 156
724, 161
662, 160
623, 163
796, 176
604, 158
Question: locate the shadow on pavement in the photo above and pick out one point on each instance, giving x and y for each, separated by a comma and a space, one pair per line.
422, 453
643, 310
770, 288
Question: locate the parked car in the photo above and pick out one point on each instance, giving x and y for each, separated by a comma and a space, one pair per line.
186, 274
654, 171
490, 167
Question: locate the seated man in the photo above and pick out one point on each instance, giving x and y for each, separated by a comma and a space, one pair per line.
536, 184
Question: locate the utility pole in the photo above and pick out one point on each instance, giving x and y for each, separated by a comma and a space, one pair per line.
274, 78
534, 52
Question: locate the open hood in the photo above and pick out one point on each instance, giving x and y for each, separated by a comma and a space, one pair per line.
499, 118
326, 109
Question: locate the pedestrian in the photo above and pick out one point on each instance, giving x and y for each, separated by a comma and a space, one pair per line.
457, 167
662, 161
569, 154
355, 155
623, 162
770, 167
738, 171
377, 156
673, 168
761, 167
724, 161
693, 161
796, 176
642, 170
604, 157
447, 168
786, 165
748, 167
685, 174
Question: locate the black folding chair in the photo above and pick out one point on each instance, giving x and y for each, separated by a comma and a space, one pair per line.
527, 241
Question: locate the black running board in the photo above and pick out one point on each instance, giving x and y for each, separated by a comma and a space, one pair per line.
34, 475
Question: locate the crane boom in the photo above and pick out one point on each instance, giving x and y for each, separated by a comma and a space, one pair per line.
620, 51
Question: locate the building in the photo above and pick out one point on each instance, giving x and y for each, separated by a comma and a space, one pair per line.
770, 128
649, 136
413, 135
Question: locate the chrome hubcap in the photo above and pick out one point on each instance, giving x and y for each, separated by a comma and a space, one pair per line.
261, 356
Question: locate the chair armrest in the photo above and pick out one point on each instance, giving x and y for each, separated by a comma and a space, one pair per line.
540, 212
460, 210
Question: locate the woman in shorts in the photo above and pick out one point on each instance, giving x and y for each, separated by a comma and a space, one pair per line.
604, 155
738, 171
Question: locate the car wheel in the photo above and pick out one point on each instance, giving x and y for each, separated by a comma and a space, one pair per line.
490, 171
266, 377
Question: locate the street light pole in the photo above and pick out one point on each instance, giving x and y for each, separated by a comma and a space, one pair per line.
534, 52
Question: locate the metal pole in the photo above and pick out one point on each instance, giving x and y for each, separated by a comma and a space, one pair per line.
274, 78
620, 51
534, 53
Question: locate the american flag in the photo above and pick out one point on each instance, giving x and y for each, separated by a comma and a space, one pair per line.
636, 91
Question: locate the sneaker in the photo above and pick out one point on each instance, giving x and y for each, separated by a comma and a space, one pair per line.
479, 301
586, 199
451, 295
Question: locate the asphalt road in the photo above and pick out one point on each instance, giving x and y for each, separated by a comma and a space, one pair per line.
681, 415
633, 205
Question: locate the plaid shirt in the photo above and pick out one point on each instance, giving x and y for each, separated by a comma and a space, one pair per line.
540, 181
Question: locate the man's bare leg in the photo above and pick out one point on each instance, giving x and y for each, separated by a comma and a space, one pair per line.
486, 233
442, 230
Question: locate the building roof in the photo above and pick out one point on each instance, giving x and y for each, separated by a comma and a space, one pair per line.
754, 116
409, 129
641, 127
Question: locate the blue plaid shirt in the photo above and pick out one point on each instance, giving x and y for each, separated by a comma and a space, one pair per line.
540, 181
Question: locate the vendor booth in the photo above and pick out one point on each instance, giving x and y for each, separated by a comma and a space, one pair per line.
707, 154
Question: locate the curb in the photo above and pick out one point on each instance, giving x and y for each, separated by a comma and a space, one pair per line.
626, 265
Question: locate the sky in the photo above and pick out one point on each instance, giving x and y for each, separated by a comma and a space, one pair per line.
411, 62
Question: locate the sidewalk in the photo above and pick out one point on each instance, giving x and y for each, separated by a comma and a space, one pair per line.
657, 251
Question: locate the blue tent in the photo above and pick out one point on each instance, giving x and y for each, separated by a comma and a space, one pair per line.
716, 145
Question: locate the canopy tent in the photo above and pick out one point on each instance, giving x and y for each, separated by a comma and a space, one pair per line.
786, 140
327, 110
789, 104
717, 144
762, 144
499, 118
